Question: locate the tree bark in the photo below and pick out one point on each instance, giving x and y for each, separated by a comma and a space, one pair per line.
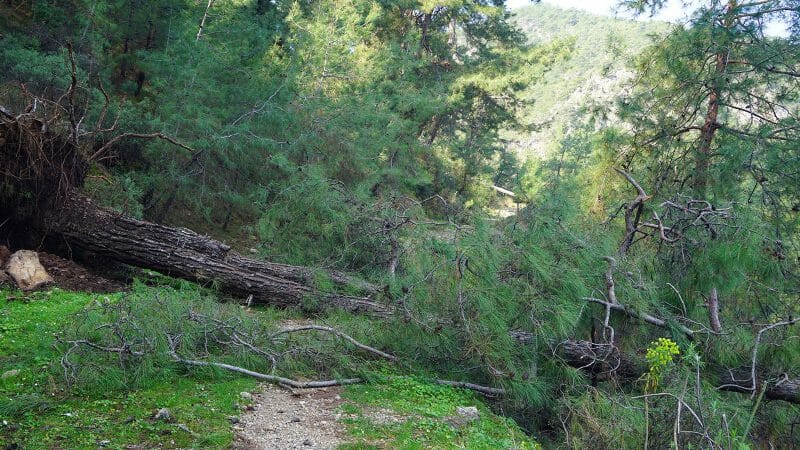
182, 253
710, 125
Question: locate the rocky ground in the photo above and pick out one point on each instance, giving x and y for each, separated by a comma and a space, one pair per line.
282, 419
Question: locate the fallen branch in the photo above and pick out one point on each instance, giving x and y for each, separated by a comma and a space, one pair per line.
120, 137
268, 378
486, 390
643, 316
338, 333
753, 380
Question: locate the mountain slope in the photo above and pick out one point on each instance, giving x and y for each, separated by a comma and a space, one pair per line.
595, 73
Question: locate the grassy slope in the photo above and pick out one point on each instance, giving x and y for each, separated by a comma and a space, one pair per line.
36, 411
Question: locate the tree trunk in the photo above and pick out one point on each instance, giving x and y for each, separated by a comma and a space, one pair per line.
710, 125
182, 253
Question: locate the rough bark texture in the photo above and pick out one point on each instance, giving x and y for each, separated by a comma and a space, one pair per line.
182, 253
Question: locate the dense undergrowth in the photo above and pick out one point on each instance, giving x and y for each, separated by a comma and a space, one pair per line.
370, 136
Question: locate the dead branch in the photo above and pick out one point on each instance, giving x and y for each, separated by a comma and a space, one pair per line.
338, 333
753, 370
681, 405
119, 137
713, 311
125, 349
643, 316
486, 390
612, 297
203, 20
633, 213
311, 384
683, 212
261, 376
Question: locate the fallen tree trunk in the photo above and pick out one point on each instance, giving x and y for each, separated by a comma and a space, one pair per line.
182, 253
40, 170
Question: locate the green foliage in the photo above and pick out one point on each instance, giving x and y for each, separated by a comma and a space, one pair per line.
427, 417
659, 355
360, 134
37, 412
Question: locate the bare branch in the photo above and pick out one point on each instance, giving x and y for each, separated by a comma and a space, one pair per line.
644, 316
339, 334
118, 138
486, 390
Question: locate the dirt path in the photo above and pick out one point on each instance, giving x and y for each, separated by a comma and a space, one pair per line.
283, 419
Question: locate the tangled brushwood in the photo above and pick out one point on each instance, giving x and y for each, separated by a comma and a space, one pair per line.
155, 333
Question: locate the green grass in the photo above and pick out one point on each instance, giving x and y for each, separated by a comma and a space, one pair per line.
428, 412
37, 412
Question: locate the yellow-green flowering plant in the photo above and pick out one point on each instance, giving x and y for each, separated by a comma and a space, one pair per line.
659, 356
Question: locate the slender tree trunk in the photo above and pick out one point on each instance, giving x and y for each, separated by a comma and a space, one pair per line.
203, 20
710, 125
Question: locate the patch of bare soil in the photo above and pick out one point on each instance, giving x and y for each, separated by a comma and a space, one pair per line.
71, 276
299, 419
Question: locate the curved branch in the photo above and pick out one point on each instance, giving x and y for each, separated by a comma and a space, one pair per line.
338, 333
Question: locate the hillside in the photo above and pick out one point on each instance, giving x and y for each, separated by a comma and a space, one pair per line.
583, 85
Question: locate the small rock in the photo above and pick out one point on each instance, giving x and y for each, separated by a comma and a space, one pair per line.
10, 373
26, 270
104, 443
470, 413
233, 420
163, 414
253, 251
295, 419
280, 411
246, 395
308, 442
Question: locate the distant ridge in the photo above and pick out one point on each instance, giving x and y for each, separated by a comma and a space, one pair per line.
595, 74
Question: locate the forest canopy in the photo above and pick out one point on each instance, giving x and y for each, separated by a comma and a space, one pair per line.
598, 218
